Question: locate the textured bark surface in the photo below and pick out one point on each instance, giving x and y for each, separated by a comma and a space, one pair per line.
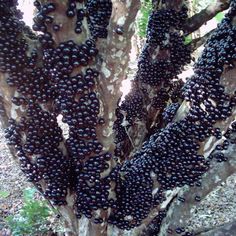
198, 42
113, 71
223, 230
179, 213
112, 63
205, 15
141, 127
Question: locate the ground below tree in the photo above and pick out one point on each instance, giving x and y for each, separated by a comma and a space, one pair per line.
217, 209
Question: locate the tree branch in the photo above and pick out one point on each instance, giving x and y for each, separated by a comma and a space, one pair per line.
105, 91
180, 212
99, 188
151, 153
198, 42
148, 115
112, 71
196, 21
225, 229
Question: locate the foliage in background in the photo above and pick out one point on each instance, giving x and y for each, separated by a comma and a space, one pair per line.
142, 18
4, 194
32, 218
188, 39
219, 17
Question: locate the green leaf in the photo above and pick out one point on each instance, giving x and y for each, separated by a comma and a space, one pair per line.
188, 39
219, 17
4, 194
32, 219
142, 19
28, 194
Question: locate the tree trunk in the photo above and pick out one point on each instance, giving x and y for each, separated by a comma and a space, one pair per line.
101, 183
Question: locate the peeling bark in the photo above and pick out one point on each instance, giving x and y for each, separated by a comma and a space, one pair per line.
113, 71
223, 230
198, 42
179, 213
112, 63
141, 127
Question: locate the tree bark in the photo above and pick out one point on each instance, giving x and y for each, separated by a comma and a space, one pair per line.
112, 62
223, 230
112, 73
196, 21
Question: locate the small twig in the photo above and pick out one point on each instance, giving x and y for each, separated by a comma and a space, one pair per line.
129, 137
196, 21
155, 118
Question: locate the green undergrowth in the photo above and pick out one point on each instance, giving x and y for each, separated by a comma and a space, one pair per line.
33, 218
142, 19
